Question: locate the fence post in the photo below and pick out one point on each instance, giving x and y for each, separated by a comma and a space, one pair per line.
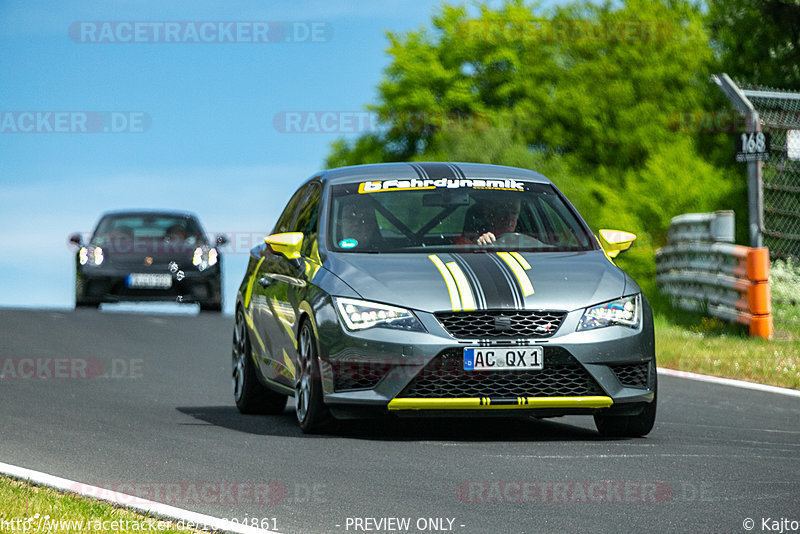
755, 194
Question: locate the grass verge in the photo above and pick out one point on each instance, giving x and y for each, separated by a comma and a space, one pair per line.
692, 342
31, 509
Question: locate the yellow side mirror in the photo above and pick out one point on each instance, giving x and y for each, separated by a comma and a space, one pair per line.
615, 241
287, 244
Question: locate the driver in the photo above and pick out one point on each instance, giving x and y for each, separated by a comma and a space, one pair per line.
495, 218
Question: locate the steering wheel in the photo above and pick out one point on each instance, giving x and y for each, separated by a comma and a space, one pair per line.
516, 240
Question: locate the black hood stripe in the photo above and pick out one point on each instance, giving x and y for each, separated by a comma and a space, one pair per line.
496, 290
477, 290
508, 274
458, 170
420, 173
438, 170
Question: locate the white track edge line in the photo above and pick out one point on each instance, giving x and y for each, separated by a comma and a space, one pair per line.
729, 382
156, 509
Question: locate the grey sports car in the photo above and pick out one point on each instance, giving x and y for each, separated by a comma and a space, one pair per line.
441, 289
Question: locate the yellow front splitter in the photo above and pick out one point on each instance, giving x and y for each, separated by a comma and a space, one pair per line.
486, 403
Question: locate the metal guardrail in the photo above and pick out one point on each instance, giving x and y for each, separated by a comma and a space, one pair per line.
702, 227
701, 270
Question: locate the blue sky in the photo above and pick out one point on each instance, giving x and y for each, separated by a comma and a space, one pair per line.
211, 146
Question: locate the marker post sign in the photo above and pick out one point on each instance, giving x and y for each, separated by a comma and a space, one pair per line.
753, 146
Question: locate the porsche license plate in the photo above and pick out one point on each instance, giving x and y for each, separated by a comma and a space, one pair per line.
503, 358
149, 281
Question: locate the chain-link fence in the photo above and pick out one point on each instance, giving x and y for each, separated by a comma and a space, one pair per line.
774, 189
779, 112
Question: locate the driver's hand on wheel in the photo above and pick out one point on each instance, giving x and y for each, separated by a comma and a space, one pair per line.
486, 239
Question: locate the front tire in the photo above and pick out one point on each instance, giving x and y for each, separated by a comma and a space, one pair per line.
250, 395
629, 426
312, 414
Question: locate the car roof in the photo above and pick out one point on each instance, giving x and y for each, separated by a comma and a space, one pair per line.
124, 213
429, 170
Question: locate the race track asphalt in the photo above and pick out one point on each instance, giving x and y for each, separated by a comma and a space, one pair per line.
142, 403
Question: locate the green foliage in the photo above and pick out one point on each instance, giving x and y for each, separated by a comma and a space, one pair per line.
586, 94
784, 280
366, 149
758, 40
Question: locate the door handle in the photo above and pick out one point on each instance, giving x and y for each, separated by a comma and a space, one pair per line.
264, 282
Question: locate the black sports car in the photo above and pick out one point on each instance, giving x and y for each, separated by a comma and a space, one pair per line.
150, 256
433, 289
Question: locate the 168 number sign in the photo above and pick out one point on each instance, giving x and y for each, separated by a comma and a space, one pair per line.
752, 146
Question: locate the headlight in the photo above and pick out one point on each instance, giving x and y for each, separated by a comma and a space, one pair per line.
92, 255
204, 258
626, 311
360, 314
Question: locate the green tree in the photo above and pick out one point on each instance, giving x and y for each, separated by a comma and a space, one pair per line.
758, 41
585, 94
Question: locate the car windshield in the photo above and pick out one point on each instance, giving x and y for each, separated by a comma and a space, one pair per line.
452, 215
149, 227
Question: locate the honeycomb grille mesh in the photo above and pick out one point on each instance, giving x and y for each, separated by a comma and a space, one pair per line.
632, 375
501, 323
444, 377
349, 376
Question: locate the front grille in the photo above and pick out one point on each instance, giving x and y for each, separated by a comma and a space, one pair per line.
633, 375
349, 376
501, 323
445, 377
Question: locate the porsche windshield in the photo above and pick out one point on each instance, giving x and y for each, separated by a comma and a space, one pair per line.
491, 213
148, 227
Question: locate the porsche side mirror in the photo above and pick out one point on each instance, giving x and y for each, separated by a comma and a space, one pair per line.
614, 242
76, 240
222, 240
287, 244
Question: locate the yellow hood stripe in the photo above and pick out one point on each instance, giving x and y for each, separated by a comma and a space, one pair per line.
521, 260
464, 291
452, 288
519, 272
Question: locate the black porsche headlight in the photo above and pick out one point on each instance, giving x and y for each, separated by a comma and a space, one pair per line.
361, 314
626, 311
204, 257
90, 255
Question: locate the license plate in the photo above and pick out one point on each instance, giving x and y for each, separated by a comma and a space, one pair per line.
149, 281
503, 358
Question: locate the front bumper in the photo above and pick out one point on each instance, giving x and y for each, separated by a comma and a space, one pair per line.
608, 369
109, 284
